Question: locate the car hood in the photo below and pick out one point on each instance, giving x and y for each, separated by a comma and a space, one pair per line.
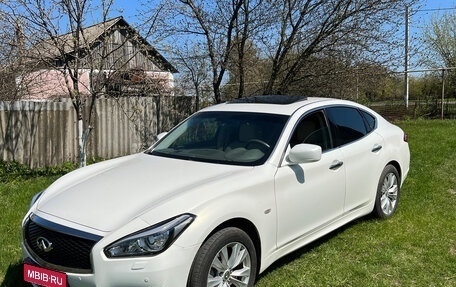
108, 195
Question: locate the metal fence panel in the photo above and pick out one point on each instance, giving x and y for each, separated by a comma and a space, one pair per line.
44, 133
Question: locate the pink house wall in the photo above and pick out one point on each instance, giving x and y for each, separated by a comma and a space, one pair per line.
50, 85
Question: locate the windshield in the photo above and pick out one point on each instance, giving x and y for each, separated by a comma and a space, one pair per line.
239, 138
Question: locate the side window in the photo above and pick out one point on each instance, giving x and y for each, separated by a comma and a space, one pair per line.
347, 124
370, 121
312, 129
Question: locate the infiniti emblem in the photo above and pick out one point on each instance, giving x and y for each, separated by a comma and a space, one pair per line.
44, 244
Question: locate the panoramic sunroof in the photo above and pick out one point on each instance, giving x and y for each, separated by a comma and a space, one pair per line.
269, 99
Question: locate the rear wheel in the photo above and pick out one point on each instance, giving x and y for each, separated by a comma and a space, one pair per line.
226, 259
388, 190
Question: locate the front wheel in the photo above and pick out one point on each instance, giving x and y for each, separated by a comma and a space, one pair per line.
226, 259
388, 190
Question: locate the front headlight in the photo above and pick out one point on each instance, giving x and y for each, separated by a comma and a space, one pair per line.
152, 240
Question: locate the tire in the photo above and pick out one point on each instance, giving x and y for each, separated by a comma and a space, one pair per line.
388, 191
228, 258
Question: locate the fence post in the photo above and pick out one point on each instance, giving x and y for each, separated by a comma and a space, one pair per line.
443, 92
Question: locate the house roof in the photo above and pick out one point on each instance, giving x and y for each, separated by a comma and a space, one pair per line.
61, 45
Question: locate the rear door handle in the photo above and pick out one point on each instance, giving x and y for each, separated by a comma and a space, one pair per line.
376, 148
336, 164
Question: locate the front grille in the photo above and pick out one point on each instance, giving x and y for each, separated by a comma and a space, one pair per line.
67, 252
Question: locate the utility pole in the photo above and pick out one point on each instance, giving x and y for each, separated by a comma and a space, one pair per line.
443, 93
406, 58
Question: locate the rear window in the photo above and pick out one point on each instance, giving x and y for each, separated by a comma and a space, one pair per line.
371, 121
347, 125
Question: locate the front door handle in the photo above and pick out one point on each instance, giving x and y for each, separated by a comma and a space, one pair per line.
376, 148
336, 164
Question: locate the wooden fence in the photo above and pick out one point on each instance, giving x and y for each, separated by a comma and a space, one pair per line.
44, 133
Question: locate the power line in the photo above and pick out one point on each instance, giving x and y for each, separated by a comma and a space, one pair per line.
433, 9
426, 70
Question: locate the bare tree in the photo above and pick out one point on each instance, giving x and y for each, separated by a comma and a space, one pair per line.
247, 70
194, 72
288, 34
310, 28
89, 58
216, 24
249, 23
209, 24
67, 54
12, 48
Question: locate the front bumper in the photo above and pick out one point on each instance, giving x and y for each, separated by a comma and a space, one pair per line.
170, 268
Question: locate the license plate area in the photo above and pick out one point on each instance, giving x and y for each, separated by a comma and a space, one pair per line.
44, 277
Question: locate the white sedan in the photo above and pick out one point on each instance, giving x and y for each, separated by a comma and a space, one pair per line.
219, 198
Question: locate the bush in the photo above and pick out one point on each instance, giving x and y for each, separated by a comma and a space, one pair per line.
14, 170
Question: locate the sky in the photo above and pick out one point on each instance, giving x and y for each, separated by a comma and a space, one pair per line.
438, 4
427, 8
430, 8
130, 7
420, 17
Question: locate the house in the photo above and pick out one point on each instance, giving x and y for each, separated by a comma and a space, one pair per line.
112, 59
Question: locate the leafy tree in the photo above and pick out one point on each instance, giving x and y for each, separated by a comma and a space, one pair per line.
440, 41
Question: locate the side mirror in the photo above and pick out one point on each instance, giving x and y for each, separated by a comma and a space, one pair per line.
161, 135
303, 153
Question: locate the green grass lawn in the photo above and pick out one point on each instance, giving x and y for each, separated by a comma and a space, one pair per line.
417, 247
15, 196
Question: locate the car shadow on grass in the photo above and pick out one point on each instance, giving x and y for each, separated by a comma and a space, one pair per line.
14, 276
287, 259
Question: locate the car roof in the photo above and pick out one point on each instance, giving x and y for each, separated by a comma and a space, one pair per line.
275, 104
